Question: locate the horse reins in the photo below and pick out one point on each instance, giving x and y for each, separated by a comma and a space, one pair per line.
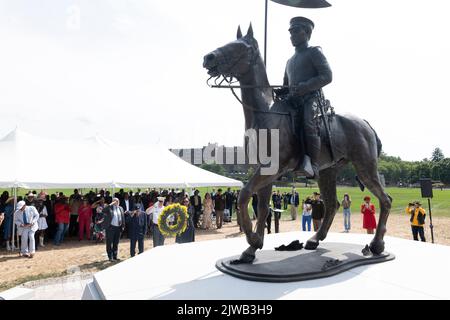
253, 58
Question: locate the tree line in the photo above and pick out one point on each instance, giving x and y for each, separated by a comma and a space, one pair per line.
395, 171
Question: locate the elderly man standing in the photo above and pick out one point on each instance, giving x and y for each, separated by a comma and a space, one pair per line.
219, 207
26, 221
113, 223
137, 226
155, 211
295, 201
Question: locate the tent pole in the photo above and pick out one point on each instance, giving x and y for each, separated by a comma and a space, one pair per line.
14, 220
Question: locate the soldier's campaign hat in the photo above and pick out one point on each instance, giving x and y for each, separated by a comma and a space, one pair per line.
301, 22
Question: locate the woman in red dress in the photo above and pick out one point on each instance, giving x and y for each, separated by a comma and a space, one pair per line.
368, 211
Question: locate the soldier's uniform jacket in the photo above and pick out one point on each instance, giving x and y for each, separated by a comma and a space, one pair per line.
309, 67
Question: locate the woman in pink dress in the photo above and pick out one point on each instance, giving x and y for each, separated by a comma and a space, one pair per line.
368, 211
208, 208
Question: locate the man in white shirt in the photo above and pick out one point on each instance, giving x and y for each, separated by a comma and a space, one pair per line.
155, 211
114, 223
26, 221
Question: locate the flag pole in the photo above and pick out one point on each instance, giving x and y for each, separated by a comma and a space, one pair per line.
265, 33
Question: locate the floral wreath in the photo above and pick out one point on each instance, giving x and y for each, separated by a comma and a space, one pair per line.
173, 220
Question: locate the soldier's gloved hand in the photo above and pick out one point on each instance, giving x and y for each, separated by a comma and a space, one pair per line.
279, 93
300, 90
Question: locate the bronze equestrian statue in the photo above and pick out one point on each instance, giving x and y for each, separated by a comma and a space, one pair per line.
353, 139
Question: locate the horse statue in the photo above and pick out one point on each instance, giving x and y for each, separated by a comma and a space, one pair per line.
355, 140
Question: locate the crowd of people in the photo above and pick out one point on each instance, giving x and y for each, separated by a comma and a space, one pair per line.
103, 217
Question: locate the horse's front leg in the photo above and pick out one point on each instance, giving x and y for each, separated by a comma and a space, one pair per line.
255, 240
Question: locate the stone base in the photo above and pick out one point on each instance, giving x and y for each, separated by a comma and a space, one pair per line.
328, 259
189, 270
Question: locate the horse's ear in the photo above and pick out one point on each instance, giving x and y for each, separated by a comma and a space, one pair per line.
239, 33
250, 31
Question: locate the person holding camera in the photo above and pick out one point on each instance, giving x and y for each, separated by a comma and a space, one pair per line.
417, 219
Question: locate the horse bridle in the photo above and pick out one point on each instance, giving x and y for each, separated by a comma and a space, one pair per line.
252, 54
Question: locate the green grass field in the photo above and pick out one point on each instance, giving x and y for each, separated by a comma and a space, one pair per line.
440, 204
401, 196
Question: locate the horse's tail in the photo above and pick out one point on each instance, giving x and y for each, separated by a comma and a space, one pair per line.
379, 144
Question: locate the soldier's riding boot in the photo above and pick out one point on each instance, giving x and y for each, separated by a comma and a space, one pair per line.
311, 162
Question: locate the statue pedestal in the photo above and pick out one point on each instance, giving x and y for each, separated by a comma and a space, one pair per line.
188, 271
329, 259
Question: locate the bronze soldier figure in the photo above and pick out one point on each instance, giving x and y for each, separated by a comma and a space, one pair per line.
307, 72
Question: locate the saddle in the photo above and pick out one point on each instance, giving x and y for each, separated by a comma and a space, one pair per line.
324, 120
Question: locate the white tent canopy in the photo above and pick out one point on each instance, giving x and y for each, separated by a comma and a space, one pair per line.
31, 162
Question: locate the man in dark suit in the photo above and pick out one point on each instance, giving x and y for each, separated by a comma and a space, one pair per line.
318, 211
229, 199
114, 224
127, 204
219, 207
196, 202
137, 222
285, 200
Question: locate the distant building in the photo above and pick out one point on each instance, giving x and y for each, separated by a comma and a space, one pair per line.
234, 160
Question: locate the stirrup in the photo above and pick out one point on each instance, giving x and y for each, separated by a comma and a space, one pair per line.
307, 167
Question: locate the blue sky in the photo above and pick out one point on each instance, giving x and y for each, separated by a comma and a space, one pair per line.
132, 70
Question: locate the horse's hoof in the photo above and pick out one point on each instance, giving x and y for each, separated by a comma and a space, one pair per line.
311, 244
255, 241
377, 247
246, 258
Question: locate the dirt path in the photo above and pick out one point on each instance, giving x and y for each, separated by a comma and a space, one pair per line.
85, 256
